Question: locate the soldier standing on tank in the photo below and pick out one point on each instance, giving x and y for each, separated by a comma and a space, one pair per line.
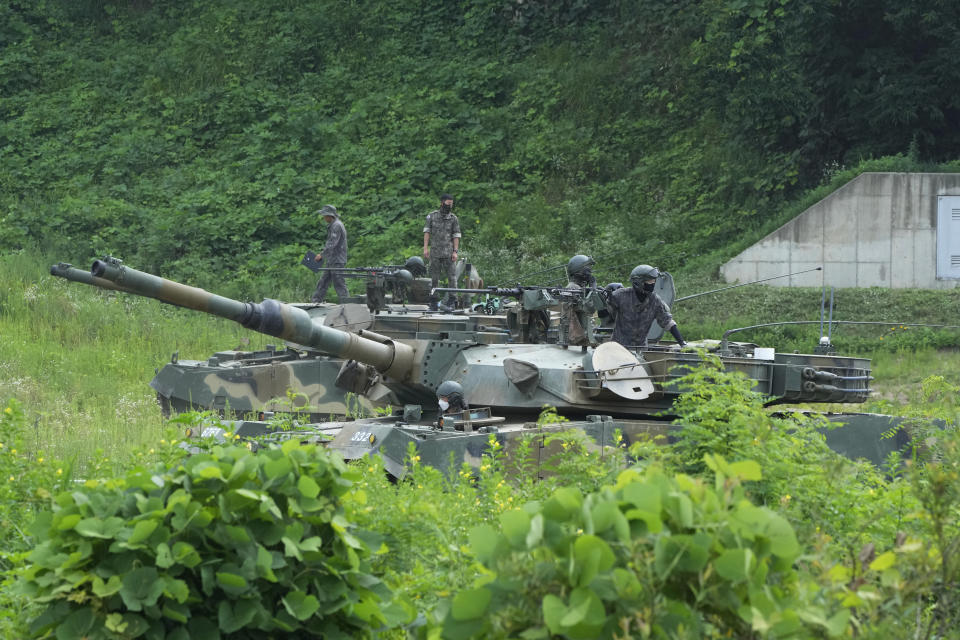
635, 308
441, 241
334, 255
576, 316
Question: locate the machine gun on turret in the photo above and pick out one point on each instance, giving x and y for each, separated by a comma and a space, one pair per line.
381, 282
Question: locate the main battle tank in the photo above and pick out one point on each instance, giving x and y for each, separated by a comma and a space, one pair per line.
601, 391
297, 379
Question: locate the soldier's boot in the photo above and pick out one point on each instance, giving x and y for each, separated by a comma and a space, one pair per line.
433, 303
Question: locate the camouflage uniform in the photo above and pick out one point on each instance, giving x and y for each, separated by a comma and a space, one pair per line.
334, 255
442, 229
634, 317
576, 318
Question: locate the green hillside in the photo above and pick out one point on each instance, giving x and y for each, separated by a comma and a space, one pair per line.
196, 138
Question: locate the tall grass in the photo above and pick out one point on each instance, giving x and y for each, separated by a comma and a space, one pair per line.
79, 359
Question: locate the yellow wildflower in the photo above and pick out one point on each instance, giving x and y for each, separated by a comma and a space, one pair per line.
8, 410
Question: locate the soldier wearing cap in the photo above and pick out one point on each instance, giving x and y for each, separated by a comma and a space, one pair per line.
334, 255
441, 241
634, 309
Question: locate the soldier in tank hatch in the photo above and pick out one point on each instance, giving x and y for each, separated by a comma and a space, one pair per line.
634, 309
441, 241
576, 317
334, 255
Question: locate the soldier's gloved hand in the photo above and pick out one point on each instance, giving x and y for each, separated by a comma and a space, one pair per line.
675, 331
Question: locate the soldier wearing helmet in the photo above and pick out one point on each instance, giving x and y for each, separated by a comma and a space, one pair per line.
576, 317
450, 398
415, 266
634, 309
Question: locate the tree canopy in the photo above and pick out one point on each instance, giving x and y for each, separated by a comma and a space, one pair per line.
196, 139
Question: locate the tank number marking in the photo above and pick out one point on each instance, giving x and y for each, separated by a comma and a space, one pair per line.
361, 436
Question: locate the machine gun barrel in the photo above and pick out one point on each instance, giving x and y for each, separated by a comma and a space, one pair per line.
270, 317
515, 292
399, 275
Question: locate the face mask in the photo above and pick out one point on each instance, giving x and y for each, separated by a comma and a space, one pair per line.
444, 405
649, 286
445, 208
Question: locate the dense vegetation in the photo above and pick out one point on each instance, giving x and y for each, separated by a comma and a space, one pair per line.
197, 138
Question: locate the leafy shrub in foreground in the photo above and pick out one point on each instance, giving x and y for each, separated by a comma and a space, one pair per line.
652, 556
249, 545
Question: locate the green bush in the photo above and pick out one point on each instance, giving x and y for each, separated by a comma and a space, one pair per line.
650, 556
247, 545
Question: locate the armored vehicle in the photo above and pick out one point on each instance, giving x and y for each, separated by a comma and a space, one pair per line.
297, 379
601, 391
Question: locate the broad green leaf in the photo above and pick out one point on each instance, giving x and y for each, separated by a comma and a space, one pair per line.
265, 564
308, 487
563, 504
679, 553
554, 610
164, 559
67, 522
470, 604
234, 616
603, 515
176, 589
585, 616
313, 543
103, 589
231, 582
176, 611
516, 525
535, 535
883, 561
141, 588
838, 623
277, 467
783, 540
592, 555
645, 497
238, 534
97, 528
735, 564
249, 494
483, 541
300, 605
185, 553
77, 625
208, 471
142, 531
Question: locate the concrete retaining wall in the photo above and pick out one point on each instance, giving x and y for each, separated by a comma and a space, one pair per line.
878, 230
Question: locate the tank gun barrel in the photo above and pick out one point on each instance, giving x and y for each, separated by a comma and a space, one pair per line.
270, 317
69, 272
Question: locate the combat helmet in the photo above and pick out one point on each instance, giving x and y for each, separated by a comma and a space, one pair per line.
642, 273
579, 265
451, 390
415, 265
